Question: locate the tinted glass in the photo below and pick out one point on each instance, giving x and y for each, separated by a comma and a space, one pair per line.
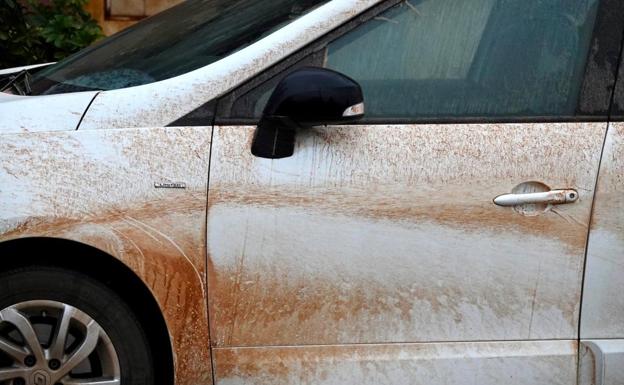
186, 37
617, 111
449, 58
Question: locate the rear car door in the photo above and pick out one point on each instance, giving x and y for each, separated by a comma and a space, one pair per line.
602, 316
375, 254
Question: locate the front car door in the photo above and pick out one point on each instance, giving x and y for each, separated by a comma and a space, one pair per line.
375, 254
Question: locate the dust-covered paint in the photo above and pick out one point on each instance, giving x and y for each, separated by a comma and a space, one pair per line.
160, 103
98, 188
603, 299
375, 234
23, 113
601, 362
477, 363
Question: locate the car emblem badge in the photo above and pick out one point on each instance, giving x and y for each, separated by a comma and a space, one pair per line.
181, 185
41, 377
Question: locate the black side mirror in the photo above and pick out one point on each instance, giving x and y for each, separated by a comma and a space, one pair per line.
304, 98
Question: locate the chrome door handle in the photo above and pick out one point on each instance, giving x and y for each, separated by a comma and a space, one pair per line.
554, 197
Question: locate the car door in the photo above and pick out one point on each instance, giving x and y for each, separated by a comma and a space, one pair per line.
602, 316
375, 253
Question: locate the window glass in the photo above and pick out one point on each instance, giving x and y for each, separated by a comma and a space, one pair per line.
452, 58
188, 36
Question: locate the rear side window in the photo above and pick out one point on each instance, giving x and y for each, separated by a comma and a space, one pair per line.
449, 58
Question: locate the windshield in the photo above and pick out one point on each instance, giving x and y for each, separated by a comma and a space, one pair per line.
186, 37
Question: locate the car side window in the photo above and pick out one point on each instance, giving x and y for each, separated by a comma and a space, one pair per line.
448, 58
437, 59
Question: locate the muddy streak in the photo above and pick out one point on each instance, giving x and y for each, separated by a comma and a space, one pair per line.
271, 309
474, 212
165, 222
450, 363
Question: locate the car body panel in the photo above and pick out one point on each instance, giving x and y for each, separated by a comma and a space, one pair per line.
376, 234
603, 299
97, 188
461, 363
601, 362
63, 112
160, 103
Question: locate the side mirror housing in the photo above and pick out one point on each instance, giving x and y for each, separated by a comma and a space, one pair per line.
306, 97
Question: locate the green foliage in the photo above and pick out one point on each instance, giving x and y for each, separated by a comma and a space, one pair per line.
39, 31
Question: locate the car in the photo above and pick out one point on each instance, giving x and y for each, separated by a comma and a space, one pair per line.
320, 192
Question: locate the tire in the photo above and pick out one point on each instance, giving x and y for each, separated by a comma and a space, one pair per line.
49, 298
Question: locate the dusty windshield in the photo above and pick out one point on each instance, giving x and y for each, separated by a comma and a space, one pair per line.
186, 37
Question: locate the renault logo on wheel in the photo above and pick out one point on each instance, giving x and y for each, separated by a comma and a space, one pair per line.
41, 377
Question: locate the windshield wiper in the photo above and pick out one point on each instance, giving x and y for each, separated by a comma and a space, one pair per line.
19, 82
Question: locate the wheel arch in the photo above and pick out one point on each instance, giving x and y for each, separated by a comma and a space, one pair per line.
110, 271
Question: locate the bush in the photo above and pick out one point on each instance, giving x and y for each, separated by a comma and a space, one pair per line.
41, 31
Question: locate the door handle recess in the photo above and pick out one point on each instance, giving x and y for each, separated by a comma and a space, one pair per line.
553, 197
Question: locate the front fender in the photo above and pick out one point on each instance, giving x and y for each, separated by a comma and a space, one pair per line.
98, 188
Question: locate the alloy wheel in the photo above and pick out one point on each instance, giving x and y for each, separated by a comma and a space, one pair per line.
52, 343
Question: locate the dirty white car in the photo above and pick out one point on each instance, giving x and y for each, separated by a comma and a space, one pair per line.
320, 192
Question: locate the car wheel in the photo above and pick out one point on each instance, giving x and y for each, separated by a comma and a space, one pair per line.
62, 327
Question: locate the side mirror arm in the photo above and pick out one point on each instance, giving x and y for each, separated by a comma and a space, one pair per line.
274, 138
